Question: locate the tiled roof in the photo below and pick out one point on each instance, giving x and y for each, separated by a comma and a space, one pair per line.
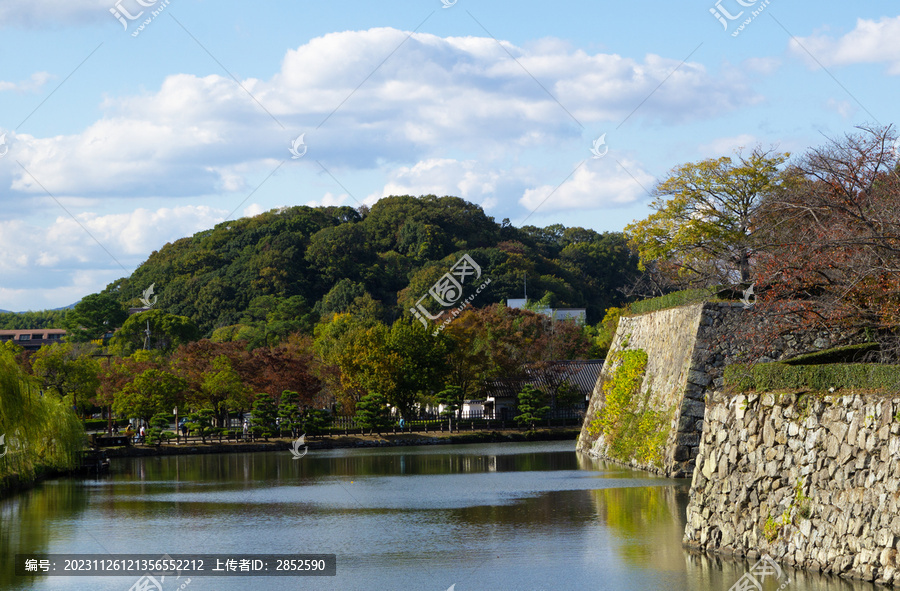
582, 374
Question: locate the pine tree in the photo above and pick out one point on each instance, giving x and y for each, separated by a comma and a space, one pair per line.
372, 413
290, 414
262, 420
533, 405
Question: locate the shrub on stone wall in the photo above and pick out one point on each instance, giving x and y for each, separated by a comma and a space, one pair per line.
780, 376
672, 300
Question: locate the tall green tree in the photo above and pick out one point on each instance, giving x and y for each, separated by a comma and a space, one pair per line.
452, 399
151, 392
262, 421
166, 332
93, 317
290, 413
703, 230
533, 406
221, 388
416, 364
69, 370
42, 430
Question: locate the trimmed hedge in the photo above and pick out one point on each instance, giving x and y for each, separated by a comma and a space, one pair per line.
673, 300
848, 354
780, 376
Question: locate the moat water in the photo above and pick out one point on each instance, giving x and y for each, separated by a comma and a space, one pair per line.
506, 517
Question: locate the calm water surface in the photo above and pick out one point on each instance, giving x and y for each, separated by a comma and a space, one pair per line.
517, 517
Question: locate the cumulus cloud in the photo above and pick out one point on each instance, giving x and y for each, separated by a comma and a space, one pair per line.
727, 146
24, 295
598, 183
70, 247
845, 109
870, 41
762, 65
196, 134
33, 84
472, 180
332, 200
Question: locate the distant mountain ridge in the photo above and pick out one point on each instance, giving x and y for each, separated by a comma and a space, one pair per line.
69, 307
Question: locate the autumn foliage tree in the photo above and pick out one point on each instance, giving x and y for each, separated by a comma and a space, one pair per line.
703, 231
835, 262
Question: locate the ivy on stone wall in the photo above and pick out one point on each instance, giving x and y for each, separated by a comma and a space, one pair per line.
632, 430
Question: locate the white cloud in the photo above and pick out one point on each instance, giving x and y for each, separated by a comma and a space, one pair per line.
253, 209
727, 146
473, 181
845, 109
598, 183
68, 247
21, 295
762, 65
330, 200
33, 84
198, 135
869, 42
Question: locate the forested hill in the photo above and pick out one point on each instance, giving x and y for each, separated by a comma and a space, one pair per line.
301, 262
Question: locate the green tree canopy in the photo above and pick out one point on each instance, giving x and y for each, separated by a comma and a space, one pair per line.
151, 392
166, 332
290, 413
533, 406
372, 413
93, 317
69, 370
703, 229
265, 411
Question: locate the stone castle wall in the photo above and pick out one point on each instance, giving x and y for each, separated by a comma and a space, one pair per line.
813, 482
688, 348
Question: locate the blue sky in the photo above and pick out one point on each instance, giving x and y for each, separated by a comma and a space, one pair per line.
119, 139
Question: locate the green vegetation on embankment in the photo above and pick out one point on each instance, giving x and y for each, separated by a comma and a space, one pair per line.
40, 433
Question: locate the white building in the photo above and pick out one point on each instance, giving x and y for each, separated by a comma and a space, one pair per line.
576, 314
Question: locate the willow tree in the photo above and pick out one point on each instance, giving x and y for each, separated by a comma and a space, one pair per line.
38, 432
703, 230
